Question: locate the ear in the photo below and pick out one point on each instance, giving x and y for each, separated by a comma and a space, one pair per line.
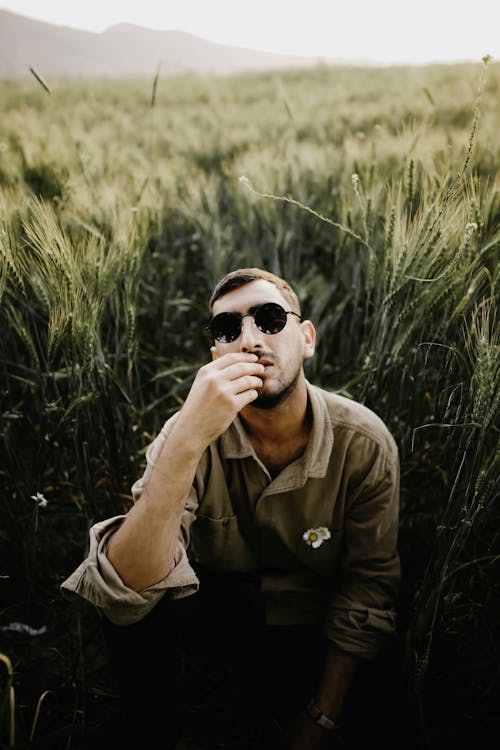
214, 353
309, 338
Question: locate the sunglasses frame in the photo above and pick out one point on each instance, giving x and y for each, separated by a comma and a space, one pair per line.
240, 316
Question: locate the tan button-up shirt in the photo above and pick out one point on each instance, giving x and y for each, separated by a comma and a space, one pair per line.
239, 519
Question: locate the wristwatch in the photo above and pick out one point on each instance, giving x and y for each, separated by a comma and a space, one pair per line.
319, 717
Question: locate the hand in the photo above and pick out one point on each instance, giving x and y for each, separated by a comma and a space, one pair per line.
306, 735
220, 390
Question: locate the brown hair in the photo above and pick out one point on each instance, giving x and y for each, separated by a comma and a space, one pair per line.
242, 276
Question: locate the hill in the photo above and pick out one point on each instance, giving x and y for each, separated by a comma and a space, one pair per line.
122, 50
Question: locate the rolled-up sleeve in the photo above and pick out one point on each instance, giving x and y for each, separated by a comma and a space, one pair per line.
97, 581
361, 613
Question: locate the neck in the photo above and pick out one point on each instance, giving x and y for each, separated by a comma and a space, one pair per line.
286, 421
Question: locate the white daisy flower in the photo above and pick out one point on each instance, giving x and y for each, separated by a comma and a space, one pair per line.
40, 500
315, 537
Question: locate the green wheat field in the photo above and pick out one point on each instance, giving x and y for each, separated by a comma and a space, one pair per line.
375, 192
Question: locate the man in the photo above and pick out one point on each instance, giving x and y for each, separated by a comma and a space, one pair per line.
283, 491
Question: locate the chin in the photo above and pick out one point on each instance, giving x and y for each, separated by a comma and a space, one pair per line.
267, 402
271, 400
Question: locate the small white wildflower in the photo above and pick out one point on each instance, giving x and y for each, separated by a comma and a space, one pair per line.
315, 537
245, 181
40, 500
355, 181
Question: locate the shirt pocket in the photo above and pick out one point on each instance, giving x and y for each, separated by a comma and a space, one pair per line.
218, 544
323, 559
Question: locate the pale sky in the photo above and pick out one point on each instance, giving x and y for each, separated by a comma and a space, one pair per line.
382, 31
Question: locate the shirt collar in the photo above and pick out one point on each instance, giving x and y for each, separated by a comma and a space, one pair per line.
235, 442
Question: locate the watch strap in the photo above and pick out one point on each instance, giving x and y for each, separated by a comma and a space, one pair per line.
320, 718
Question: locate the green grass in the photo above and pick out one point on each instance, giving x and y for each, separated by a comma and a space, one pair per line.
375, 193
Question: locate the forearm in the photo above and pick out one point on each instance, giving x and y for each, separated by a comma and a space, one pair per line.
142, 550
338, 673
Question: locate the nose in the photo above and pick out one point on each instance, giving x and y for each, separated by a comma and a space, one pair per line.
250, 336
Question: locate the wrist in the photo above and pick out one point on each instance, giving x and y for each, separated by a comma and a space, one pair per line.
328, 723
188, 444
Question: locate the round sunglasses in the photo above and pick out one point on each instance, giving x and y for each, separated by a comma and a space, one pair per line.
269, 318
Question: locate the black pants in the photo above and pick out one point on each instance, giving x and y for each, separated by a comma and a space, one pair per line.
207, 666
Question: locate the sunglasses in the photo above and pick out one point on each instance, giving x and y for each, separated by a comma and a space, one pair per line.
269, 318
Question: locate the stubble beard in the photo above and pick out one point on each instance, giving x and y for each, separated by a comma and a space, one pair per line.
271, 401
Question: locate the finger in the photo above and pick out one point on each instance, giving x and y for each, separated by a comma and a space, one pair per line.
234, 372
246, 383
233, 358
245, 398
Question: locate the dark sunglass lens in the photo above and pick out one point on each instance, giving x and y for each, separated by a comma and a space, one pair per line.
225, 327
270, 318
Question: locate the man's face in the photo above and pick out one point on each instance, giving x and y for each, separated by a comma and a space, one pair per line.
281, 353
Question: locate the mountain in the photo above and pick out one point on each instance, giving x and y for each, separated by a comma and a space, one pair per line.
122, 50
